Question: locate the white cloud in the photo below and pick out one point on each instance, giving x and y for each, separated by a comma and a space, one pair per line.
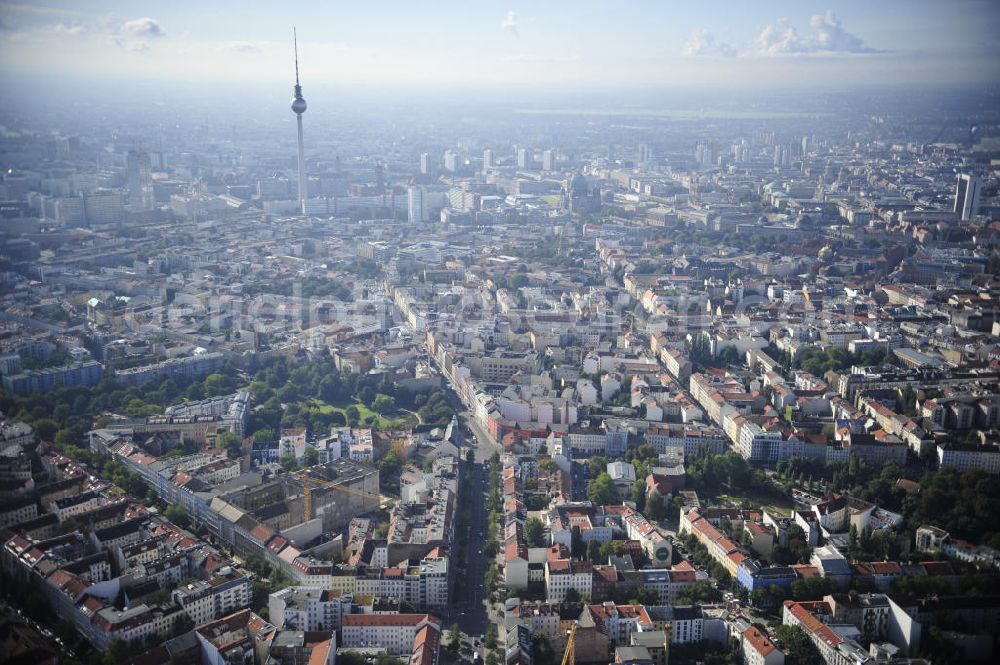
133, 45
143, 27
510, 23
244, 47
69, 30
826, 36
831, 35
702, 42
777, 39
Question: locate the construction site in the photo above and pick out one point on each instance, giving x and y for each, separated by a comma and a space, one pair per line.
306, 504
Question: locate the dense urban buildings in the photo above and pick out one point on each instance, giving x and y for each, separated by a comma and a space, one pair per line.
711, 377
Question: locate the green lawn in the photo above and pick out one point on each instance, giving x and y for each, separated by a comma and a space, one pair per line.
768, 501
394, 420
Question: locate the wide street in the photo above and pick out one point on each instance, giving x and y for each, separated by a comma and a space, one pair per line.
469, 607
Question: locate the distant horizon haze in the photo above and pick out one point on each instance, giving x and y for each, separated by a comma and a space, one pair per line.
555, 45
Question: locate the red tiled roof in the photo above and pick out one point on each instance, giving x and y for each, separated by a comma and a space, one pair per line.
759, 641
683, 575
320, 653
262, 532
804, 570
515, 550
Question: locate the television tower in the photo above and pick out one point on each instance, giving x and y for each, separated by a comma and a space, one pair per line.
299, 107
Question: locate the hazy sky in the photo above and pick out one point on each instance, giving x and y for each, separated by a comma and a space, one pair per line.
575, 42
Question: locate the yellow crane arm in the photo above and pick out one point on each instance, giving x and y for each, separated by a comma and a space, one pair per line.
569, 655
309, 481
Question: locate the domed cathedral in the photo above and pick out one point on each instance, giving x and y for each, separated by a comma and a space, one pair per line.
581, 197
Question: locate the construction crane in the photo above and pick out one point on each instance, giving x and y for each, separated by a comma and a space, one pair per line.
308, 482
569, 655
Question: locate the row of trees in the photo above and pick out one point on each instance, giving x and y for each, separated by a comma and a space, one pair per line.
702, 557
494, 506
871, 545
772, 596
70, 412
964, 504
463, 516
307, 287
819, 361
708, 472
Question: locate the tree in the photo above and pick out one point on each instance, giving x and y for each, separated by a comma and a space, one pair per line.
182, 624
852, 541
639, 494
699, 593
645, 596
908, 399
655, 508
491, 659
594, 551
601, 491
63, 438
116, 652
288, 462
577, 547
288, 394
865, 541
492, 576
218, 384
491, 637
225, 439
678, 505
310, 457
390, 464
353, 415
534, 532
454, 638
265, 435
178, 515
813, 588
541, 648
572, 596
195, 391
350, 658
613, 548
598, 465
45, 428
231, 443
383, 404
799, 648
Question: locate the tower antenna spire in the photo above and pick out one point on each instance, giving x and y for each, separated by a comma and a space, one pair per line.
295, 40
298, 108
